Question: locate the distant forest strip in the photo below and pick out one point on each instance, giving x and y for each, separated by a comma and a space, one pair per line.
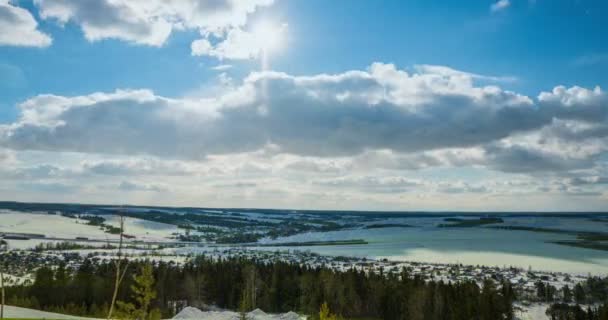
387, 225
584, 244
238, 284
585, 239
314, 243
96, 208
468, 223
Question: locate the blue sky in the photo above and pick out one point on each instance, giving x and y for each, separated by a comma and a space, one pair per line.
416, 52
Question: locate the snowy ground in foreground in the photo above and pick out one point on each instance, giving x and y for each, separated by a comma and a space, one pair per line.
23, 313
190, 313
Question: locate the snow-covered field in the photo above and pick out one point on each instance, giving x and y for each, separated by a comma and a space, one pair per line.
48, 224
143, 229
57, 226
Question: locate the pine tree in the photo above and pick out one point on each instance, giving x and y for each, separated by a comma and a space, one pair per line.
143, 293
325, 314
579, 294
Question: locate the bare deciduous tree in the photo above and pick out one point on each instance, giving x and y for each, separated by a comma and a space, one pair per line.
3, 247
121, 269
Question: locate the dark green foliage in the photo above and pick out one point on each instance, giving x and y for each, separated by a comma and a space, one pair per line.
563, 311
468, 223
66, 245
93, 220
239, 284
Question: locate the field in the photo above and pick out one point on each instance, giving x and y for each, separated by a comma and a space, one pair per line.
574, 243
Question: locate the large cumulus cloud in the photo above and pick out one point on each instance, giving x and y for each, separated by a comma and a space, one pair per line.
19, 28
347, 114
148, 22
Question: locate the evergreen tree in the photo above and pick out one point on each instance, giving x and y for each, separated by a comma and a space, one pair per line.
579, 294
143, 293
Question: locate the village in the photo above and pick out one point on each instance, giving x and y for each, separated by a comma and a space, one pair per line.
21, 264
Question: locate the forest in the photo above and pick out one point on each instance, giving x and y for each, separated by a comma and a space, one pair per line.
244, 284
241, 284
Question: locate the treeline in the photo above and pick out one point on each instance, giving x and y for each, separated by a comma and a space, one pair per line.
591, 292
66, 245
564, 311
240, 284
594, 290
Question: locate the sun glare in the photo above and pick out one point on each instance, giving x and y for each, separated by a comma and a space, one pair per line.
270, 37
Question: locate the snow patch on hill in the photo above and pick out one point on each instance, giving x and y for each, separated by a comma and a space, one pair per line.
257, 314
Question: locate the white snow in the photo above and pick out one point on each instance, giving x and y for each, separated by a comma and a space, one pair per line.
49, 225
533, 312
257, 314
144, 229
24, 313
10, 280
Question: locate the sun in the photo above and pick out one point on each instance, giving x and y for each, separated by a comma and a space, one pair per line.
269, 36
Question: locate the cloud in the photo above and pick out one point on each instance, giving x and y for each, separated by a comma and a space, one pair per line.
417, 120
6, 156
521, 158
449, 72
132, 186
500, 5
149, 22
237, 185
19, 28
591, 59
461, 187
136, 166
222, 67
372, 183
49, 187
235, 44
593, 180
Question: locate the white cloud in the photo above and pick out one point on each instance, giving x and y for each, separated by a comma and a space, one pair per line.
372, 183
500, 5
6, 156
133, 186
221, 67
148, 22
19, 28
236, 43
449, 72
347, 114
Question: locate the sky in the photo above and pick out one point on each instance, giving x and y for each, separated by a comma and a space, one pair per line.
362, 105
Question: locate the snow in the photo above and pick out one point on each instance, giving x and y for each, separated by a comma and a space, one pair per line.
57, 226
23, 313
189, 313
257, 314
48, 224
10, 280
144, 229
533, 312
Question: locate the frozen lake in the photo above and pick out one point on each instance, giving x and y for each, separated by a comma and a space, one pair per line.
474, 246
